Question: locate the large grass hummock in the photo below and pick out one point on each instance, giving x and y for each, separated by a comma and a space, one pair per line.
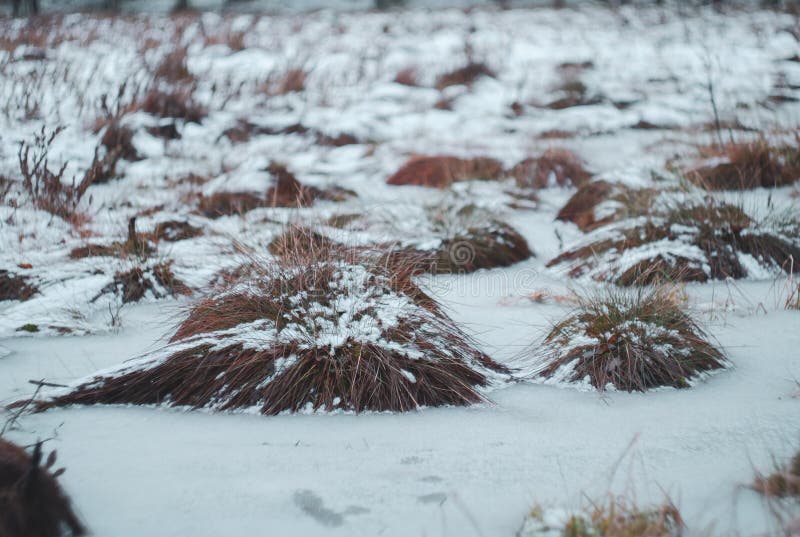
628, 341
335, 332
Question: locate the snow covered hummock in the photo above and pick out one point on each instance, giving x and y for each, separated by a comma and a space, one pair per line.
695, 239
627, 341
331, 334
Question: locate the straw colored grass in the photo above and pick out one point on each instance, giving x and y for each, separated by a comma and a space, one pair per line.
613, 517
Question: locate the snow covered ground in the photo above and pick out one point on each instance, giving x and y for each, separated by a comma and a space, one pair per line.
445, 471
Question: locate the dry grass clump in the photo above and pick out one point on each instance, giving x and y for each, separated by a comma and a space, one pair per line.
631, 341
696, 240
175, 230
555, 167
286, 191
442, 171
597, 203
407, 77
748, 165
173, 67
174, 103
15, 287
32, 503
44, 186
133, 285
465, 75
783, 482
302, 242
614, 517
134, 246
244, 130
338, 332
572, 92
118, 141
469, 239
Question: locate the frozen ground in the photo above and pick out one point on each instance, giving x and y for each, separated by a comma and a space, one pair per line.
473, 471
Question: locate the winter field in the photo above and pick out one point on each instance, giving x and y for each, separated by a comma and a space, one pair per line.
521, 272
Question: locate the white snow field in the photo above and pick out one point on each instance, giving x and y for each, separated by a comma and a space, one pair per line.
463, 471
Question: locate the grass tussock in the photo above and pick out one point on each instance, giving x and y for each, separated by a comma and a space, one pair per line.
442, 171
597, 203
175, 230
464, 76
137, 283
614, 517
697, 240
286, 191
15, 287
783, 482
173, 103
555, 167
325, 331
747, 165
630, 341
32, 503
136, 246
470, 239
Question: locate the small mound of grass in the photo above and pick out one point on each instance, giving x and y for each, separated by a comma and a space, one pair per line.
696, 240
748, 165
630, 341
615, 517
597, 203
555, 167
783, 482
135, 284
32, 503
286, 191
338, 332
467, 239
442, 171
135, 246
174, 103
175, 230
15, 287
465, 75
118, 141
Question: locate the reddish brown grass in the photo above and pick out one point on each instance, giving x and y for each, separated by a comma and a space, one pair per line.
442, 171
297, 374
45, 187
175, 230
748, 165
407, 77
555, 167
783, 482
134, 284
15, 287
632, 341
465, 75
720, 231
175, 103
32, 503
579, 209
287, 191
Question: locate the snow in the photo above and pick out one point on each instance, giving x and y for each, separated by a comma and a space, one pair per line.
444, 471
